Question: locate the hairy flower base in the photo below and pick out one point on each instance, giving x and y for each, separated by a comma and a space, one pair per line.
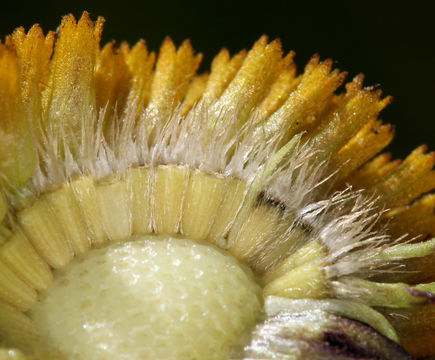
163, 200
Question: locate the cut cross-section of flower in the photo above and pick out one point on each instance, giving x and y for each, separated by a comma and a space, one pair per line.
150, 212
153, 290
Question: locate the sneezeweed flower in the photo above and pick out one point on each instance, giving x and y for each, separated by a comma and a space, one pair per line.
149, 212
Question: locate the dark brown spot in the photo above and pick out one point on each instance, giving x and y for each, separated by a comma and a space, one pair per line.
264, 199
340, 341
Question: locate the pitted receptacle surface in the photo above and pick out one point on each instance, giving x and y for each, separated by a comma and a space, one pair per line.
152, 298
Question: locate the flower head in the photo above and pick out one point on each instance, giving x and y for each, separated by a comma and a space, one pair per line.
276, 169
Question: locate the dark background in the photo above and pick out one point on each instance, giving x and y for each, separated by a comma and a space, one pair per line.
392, 44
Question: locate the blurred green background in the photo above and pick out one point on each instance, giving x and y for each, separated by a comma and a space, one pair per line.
392, 44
